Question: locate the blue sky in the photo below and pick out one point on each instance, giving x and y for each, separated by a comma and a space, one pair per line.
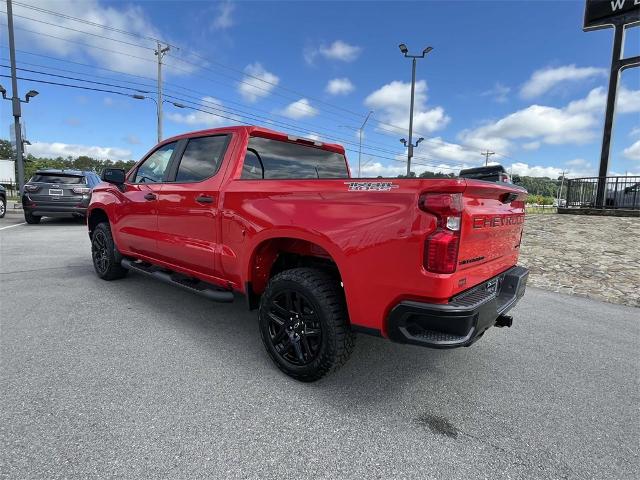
519, 78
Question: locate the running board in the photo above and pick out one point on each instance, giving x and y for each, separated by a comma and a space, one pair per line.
194, 286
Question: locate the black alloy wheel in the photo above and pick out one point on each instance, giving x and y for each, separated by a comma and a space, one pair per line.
100, 252
304, 324
106, 258
295, 330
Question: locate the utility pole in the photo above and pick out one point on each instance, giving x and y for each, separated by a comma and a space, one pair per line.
561, 185
360, 143
160, 53
15, 99
410, 145
486, 156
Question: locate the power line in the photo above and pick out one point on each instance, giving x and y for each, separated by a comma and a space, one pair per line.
394, 128
75, 30
234, 119
88, 22
217, 107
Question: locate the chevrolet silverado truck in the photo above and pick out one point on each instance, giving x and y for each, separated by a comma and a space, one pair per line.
249, 212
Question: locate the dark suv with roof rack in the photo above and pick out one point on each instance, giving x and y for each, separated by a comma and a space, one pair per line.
58, 193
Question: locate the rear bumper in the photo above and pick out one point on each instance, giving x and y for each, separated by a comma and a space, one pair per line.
462, 321
55, 208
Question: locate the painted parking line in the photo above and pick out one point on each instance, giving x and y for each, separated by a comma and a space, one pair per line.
11, 226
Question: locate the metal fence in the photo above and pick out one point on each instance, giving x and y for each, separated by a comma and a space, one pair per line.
619, 192
10, 186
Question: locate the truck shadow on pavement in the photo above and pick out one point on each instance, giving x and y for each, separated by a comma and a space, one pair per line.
377, 372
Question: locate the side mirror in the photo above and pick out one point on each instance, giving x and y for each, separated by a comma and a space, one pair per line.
115, 176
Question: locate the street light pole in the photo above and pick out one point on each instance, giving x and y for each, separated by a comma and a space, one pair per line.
413, 88
410, 145
15, 99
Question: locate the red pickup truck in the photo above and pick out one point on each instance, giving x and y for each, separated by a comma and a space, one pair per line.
277, 219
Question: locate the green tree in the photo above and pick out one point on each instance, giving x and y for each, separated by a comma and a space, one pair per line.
6, 152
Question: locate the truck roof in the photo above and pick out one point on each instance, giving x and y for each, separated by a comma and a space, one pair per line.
257, 131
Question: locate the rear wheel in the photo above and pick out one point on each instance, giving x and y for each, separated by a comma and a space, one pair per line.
106, 258
3, 206
31, 219
304, 323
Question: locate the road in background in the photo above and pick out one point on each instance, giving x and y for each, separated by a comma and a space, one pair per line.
136, 378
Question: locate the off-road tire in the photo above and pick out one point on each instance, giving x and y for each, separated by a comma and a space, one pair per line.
327, 298
31, 219
105, 255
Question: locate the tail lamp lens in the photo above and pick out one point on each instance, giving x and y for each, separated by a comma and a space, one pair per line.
31, 188
82, 190
441, 246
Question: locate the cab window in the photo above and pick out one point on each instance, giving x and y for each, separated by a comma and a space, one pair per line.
201, 158
153, 169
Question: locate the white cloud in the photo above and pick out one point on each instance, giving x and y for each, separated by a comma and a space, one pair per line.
58, 149
138, 60
224, 18
575, 168
499, 93
531, 145
576, 123
299, 109
633, 152
257, 82
578, 162
200, 118
338, 50
437, 148
545, 79
391, 104
339, 86
635, 132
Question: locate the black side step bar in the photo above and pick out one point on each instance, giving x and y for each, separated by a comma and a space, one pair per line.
194, 286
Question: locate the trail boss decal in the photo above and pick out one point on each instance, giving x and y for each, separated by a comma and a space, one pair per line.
371, 186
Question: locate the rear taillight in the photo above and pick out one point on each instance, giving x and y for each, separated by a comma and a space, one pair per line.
81, 190
31, 188
441, 246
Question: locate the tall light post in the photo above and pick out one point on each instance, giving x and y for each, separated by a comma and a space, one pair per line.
20, 142
15, 98
410, 145
360, 130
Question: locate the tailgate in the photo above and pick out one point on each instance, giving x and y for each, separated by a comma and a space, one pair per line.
492, 222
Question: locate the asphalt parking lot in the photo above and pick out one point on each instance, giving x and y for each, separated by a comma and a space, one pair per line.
138, 379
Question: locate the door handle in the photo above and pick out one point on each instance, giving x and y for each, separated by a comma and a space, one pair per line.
204, 199
150, 196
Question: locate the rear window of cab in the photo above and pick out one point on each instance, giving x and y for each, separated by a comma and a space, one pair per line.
274, 159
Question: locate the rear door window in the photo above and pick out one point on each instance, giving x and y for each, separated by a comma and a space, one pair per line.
201, 158
267, 158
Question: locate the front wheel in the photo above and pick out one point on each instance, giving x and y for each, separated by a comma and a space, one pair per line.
304, 323
3, 207
106, 258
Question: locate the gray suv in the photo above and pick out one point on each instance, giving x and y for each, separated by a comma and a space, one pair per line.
57, 193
